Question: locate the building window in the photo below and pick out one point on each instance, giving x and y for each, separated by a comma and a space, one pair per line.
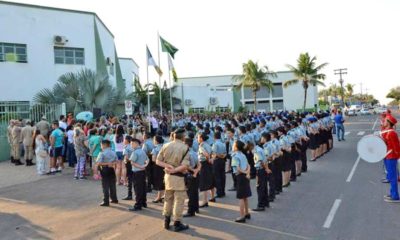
198, 110
12, 52
278, 90
63, 55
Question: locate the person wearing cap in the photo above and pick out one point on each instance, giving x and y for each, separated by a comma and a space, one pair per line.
9, 138
27, 133
16, 142
106, 163
174, 158
393, 149
139, 161
44, 127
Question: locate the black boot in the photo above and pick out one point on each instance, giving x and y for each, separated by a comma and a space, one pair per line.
178, 226
129, 197
12, 160
17, 162
167, 221
31, 163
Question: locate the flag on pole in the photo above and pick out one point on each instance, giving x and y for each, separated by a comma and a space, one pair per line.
151, 62
172, 68
168, 47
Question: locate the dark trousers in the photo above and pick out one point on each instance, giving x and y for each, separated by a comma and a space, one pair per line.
108, 183
293, 174
278, 174
303, 156
250, 160
192, 184
262, 188
129, 174
71, 157
219, 175
271, 180
149, 174
139, 185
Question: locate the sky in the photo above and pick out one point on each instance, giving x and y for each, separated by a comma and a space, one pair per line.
215, 37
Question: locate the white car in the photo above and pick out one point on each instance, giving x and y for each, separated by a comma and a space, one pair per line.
365, 111
381, 110
351, 112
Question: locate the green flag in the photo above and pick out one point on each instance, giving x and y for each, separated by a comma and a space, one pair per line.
168, 47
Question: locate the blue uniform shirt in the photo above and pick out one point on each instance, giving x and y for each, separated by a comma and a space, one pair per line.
148, 146
259, 157
127, 151
203, 148
193, 158
218, 147
156, 149
107, 156
140, 157
238, 160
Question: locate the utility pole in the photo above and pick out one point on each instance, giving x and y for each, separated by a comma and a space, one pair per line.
340, 72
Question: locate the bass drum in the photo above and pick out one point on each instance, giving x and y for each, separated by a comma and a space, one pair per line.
372, 149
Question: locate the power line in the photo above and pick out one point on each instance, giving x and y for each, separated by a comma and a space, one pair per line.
340, 72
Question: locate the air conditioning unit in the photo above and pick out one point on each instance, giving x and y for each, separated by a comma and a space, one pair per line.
60, 40
188, 102
213, 100
108, 61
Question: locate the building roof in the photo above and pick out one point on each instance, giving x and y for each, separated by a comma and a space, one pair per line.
129, 59
225, 75
57, 9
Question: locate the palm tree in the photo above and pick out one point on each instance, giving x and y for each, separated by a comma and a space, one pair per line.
394, 93
83, 90
307, 73
254, 78
350, 90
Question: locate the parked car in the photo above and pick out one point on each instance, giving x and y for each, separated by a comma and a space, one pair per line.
365, 111
381, 110
352, 112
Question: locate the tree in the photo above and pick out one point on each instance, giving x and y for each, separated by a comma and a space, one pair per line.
307, 73
394, 94
83, 90
349, 90
254, 78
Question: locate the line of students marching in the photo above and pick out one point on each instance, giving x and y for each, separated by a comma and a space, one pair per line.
272, 149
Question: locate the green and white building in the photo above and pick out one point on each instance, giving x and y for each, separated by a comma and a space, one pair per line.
218, 93
39, 44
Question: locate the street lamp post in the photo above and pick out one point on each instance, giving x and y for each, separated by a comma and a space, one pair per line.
340, 72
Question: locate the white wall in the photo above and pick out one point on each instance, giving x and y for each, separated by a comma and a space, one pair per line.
129, 69
198, 89
36, 28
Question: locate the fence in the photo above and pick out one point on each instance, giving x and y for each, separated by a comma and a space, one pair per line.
24, 110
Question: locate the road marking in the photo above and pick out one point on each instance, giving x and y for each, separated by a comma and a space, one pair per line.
13, 200
332, 213
376, 121
361, 133
346, 133
353, 170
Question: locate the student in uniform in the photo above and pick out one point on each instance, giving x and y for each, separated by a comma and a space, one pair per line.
106, 164
206, 172
261, 165
241, 168
139, 161
147, 148
128, 166
218, 158
231, 139
158, 172
286, 156
277, 156
192, 180
269, 151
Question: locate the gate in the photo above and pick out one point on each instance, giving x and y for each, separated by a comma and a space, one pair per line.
24, 111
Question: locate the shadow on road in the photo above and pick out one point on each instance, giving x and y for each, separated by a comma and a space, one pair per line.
13, 226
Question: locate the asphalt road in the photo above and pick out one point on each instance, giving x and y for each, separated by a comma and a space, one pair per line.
327, 202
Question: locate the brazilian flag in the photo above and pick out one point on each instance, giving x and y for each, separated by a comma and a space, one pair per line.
168, 47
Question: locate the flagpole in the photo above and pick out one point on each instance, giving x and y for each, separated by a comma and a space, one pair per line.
170, 93
148, 88
159, 76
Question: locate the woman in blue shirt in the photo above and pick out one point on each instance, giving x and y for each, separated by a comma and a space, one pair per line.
206, 173
241, 168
